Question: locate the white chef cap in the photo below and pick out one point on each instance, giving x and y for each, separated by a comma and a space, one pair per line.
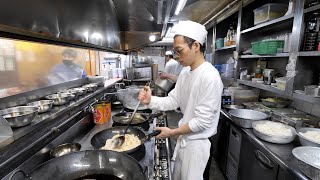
168, 53
192, 30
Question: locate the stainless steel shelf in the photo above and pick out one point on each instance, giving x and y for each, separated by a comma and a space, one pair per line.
312, 8
261, 86
226, 47
309, 53
263, 56
269, 23
306, 98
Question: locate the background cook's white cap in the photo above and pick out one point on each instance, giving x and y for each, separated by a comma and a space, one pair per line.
192, 30
168, 53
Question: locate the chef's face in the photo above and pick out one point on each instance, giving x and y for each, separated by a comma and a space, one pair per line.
184, 54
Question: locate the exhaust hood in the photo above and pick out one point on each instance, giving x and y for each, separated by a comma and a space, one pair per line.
116, 25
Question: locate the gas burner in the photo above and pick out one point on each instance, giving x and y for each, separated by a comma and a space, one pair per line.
138, 111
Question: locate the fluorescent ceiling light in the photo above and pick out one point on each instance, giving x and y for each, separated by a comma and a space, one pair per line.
180, 6
168, 31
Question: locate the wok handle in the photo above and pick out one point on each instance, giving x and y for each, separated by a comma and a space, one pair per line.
151, 116
16, 171
154, 133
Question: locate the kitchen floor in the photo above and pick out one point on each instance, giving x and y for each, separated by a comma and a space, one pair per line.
173, 119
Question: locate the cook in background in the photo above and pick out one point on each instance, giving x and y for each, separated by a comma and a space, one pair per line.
198, 94
68, 70
172, 68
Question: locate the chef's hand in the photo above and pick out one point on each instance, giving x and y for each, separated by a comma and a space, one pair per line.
165, 132
145, 95
164, 75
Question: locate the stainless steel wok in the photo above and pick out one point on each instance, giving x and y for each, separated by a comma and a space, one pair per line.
97, 164
19, 116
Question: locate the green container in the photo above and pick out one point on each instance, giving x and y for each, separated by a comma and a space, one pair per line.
219, 43
267, 46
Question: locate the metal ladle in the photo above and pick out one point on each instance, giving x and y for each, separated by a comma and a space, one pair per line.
118, 141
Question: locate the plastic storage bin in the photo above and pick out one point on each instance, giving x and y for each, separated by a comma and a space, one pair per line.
219, 43
282, 82
269, 12
267, 46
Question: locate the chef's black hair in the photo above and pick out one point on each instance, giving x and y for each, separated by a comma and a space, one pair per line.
170, 56
190, 42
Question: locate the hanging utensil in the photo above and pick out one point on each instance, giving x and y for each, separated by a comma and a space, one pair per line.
118, 141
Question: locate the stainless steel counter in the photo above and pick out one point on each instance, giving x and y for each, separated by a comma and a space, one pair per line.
280, 153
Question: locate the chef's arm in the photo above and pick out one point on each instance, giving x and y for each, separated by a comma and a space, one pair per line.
167, 132
184, 129
164, 103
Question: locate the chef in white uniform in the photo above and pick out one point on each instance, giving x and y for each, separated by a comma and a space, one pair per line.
198, 94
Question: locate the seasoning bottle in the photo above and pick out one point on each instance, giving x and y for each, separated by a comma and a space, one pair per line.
258, 72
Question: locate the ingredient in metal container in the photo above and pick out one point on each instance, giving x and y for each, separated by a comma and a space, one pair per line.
274, 129
131, 141
312, 135
300, 119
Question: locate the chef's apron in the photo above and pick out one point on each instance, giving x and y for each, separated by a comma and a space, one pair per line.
190, 158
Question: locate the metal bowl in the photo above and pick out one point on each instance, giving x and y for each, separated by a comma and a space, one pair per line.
81, 91
281, 103
19, 116
59, 99
43, 105
245, 117
91, 87
74, 93
304, 141
230, 107
64, 149
308, 160
274, 138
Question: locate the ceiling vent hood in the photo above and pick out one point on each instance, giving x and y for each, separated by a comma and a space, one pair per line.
116, 25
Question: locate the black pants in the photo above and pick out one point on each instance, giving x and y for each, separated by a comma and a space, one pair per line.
207, 170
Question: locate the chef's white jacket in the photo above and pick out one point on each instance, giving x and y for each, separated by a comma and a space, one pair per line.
172, 67
198, 94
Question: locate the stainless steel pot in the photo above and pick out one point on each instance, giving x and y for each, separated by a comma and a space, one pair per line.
245, 117
129, 98
59, 99
19, 116
43, 105
164, 84
303, 140
308, 160
273, 138
312, 90
64, 149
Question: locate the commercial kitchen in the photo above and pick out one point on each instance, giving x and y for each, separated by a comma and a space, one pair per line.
71, 72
